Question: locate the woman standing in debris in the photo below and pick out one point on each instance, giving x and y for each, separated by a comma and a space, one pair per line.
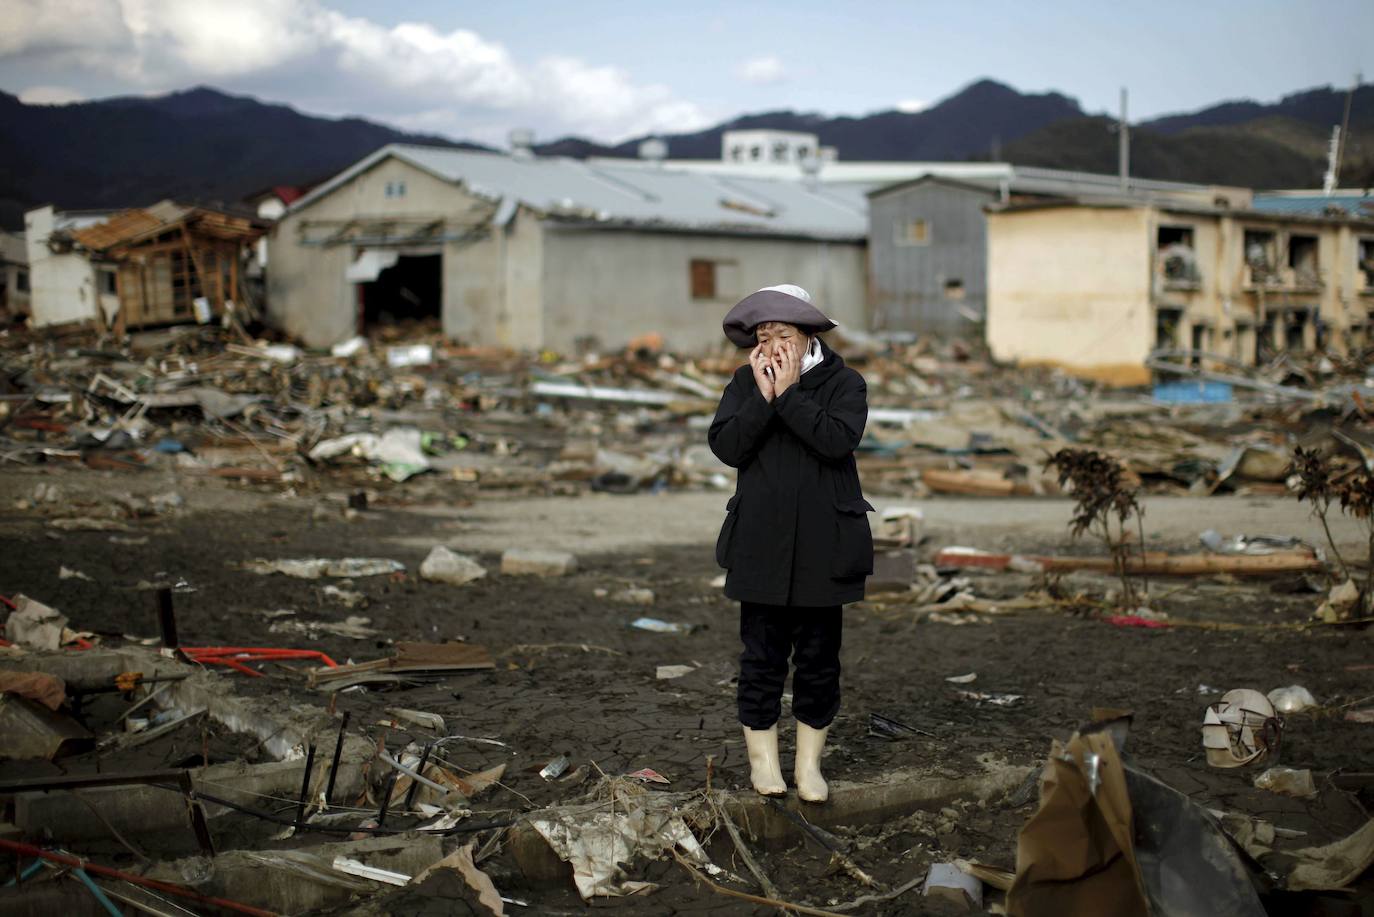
796, 542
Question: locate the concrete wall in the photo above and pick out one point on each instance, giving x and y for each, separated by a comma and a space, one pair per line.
14, 300
1071, 286
307, 293
908, 282
61, 287
604, 287
14, 273
492, 286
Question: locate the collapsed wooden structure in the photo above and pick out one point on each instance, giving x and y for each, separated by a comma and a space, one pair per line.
173, 263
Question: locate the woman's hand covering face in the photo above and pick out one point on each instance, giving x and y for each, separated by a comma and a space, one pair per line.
786, 366
759, 363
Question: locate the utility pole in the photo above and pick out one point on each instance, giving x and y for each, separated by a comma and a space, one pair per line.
1333, 161
1124, 145
1345, 130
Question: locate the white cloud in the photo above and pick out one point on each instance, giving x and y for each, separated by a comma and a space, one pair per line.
458, 82
763, 70
911, 106
49, 95
63, 31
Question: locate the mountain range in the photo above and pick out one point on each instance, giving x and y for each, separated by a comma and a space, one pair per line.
205, 145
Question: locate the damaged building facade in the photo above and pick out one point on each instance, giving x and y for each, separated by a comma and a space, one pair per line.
517, 251
928, 252
14, 275
1095, 286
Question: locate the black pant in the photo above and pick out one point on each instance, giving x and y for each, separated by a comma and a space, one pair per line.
771, 634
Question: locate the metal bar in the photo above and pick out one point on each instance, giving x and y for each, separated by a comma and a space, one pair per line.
412, 774
197, 812
386, 798
334, 766
419, 769
144, 906
166, 618
97, 892
305, 783
164, 887
28, 872
85, 781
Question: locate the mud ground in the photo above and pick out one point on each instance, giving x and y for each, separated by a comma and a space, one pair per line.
573, 677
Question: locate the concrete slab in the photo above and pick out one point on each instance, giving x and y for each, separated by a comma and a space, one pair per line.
300, 880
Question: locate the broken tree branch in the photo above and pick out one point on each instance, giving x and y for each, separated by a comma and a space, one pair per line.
753, 866
745, 896
883, 896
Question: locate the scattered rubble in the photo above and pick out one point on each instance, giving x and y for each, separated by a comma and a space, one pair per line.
528, 562
380, 761
444, 566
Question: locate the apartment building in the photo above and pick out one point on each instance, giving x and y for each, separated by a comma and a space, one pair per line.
1095, 286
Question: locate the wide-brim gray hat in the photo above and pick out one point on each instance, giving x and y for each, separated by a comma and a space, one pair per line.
773, 304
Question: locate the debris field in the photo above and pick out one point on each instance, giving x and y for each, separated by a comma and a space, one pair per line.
413, 629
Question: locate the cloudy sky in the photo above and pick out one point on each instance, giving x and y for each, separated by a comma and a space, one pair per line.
612, 70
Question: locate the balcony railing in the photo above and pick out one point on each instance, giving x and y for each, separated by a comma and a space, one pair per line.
1261, 277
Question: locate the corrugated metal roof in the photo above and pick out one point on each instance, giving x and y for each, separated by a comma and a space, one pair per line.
661, 198
1316, 205
1059, 183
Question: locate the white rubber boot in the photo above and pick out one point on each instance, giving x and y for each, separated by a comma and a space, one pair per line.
811, 786
765, 767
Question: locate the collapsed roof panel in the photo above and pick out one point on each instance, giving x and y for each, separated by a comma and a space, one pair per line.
666, 198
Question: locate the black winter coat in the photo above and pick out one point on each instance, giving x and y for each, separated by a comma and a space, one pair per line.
796, 531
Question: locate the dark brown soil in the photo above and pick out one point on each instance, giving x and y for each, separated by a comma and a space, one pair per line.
573, 677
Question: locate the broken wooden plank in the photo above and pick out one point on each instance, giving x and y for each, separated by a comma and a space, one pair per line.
973, 483
1150, 564
413, 659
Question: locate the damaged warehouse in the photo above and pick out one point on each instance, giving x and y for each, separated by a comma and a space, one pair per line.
526, 252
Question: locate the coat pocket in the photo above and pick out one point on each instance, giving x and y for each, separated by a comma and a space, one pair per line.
853, 555
725, 542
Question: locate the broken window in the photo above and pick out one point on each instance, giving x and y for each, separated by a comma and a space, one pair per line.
712, 280
703, 279
1261, 254
1302, 258
912, 232
1167, 323
21, 281
1364, 261
1199, 344
1294, 328
106, 281
756, 152
954, 288
1177, 254
780, 151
